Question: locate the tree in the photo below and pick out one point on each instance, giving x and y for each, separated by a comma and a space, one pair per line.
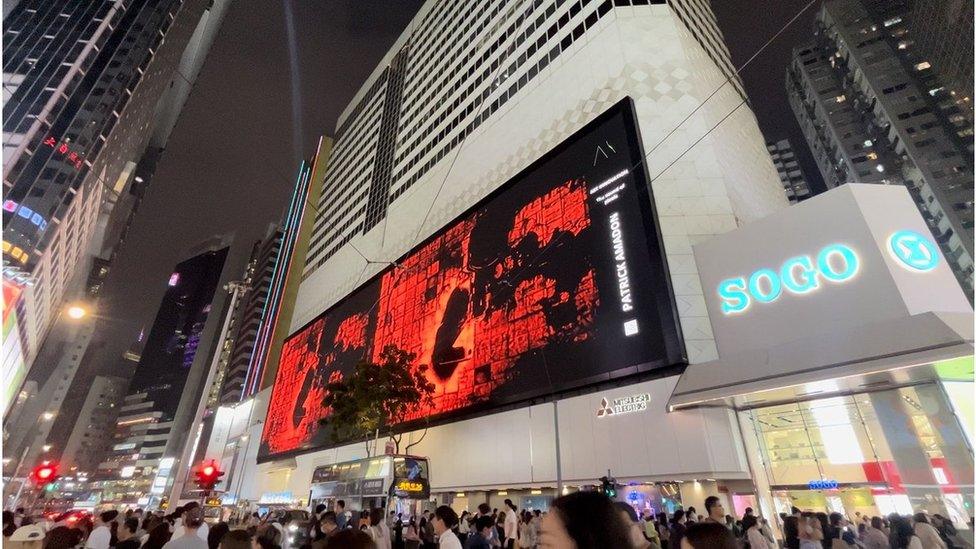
377, 396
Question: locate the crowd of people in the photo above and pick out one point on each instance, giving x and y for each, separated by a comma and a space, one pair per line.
582, 520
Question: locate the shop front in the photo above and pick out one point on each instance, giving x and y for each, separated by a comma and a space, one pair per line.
846, 353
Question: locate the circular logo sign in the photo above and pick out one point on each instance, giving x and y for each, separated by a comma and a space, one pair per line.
914, 250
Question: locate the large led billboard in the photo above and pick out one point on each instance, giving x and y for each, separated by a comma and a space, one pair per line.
555, 281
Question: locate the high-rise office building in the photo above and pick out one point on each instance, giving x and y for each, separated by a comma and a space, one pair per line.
88, 87
167, 385
873, 111
941, 34
790, 173
95, 425
257, 280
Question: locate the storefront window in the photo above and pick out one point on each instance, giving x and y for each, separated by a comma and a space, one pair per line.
898, 451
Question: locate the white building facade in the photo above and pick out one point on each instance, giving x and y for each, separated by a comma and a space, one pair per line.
479, 92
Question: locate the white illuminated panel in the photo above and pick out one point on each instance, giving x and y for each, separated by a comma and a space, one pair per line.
834, 423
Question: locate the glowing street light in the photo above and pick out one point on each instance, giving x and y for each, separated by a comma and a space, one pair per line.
46, 447
77, 312
47, 416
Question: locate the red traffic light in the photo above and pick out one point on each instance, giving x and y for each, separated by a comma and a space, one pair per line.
208, 475
45, 473
208, 471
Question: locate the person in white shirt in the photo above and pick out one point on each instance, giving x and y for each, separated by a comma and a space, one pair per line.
444, 520
378, 530
754, 535
190, 537
511, 525
101, 536
202, 531
927, 533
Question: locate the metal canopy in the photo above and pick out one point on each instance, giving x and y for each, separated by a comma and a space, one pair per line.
880, 355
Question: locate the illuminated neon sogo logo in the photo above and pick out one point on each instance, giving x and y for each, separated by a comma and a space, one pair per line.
835, 263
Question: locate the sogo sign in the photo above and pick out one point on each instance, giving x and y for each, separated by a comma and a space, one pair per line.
834, 264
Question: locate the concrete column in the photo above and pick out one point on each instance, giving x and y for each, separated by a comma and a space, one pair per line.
910, 458
757, 469
952, 441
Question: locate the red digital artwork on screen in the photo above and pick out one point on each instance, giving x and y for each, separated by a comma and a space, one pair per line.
467, 315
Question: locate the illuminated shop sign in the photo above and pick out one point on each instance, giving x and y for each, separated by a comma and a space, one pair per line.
913, 250
624, 405
541, 287
823, 484
834, 264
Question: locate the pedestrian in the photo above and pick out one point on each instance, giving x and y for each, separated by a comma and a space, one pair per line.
158, 536
791, 532
127, 534
427, 530
411, 539
9, 524
510, 525
343, 517
398, 532
677, 528
203, 530
927, 533
714, 510
378, 530
874, 537
101, 536
708, 535
444, 520
464, 527
62, 537
216, 534
526, 533
479, 537
630, 518
189, 536
352, 539
753, 535
902, 536
583, 520
663, 532
691, 515
236, 539
947, 531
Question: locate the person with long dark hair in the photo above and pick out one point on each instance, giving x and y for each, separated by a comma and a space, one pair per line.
791, 532
583, 520
677, 528
927, 533
902, 536
708, 535
216, 534
158, 536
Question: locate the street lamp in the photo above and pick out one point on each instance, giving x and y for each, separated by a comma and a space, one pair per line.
77, 312
46, 447
47, 416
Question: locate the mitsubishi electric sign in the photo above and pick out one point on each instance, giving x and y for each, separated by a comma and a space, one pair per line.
623, 405
855, 255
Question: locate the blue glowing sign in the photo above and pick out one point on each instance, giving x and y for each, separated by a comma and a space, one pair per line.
914, 250
836, 263
823, 484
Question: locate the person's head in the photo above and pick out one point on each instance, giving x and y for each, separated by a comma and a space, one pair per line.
630, 518
444, 519
137, 512
192, 517
510, 505
501, 517
749, 511
216, 534
236, 539
537, 513
691, 511
749, 521
484, 509
584, 520
714, 508
484, 524
921, 517
901, 532
662, 518
319, 508
158, 536
375, 517
352, 539
836, 519
464, 515
128, 528
328, 522
708, 535
795, 511
61, 537
107, 517
340, 506
791, 528
678, 517
876, 522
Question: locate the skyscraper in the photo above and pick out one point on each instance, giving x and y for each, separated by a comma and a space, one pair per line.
95, 425
83, 84
168, 382
941, 33
790, 173
873, 111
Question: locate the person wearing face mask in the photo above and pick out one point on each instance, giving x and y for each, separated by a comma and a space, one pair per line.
629, 516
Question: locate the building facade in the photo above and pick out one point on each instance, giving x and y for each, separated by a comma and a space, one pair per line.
95, 426
795, 184
466, 99
873, 111
83, 84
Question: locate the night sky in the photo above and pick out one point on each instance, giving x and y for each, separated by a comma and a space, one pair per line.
230, 163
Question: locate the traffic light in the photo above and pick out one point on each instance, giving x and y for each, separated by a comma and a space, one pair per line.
208, 475
45, 473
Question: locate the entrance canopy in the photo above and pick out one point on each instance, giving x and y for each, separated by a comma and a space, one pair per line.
883, 355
